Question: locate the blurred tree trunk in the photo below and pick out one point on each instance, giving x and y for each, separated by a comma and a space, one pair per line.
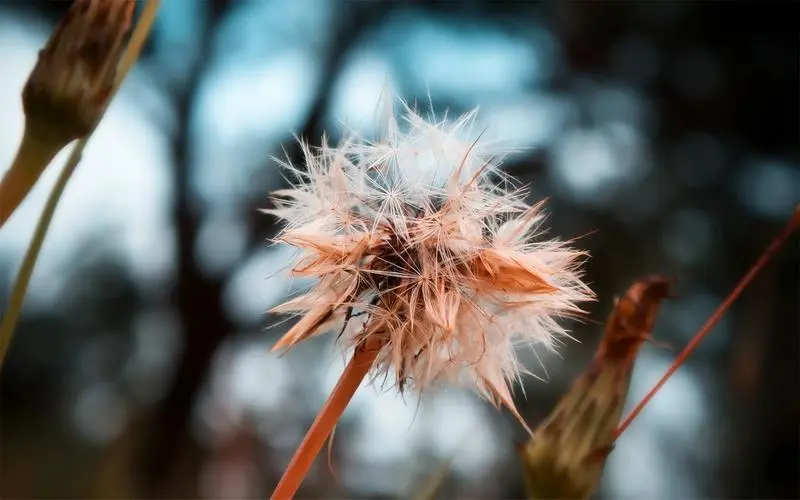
172, 459
197, 296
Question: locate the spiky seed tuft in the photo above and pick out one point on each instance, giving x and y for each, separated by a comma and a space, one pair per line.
419, 240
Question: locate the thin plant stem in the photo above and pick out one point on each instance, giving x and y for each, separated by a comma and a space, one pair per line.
714, 318
32, 158
17, 299
326, 420
14, 309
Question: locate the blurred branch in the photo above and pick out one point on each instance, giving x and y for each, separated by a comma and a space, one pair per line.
349, 27
351, 24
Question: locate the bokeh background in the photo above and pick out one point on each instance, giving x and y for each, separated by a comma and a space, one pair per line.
667, 130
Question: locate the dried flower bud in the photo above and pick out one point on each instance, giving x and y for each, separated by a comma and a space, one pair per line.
566, 455
69, 87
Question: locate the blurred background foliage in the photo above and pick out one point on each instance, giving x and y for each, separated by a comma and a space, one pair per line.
666, 132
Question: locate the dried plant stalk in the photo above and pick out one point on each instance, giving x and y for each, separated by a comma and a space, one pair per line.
566, 455
358, 367
67, 91
129, 57
712, 321
33, 156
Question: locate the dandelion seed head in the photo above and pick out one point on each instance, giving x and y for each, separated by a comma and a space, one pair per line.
421, 244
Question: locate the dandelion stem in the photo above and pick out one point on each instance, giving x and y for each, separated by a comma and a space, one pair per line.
714, 318
326, 420
12, 313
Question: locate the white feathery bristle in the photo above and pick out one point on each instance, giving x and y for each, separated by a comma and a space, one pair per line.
423, 238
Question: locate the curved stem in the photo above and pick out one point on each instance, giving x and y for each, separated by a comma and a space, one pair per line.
11, 316
326, 420
14, 308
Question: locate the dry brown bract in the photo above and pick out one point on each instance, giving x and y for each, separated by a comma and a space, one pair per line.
69, 87
566, 455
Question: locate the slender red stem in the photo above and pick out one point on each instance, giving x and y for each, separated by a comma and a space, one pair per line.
326, 420
714, 319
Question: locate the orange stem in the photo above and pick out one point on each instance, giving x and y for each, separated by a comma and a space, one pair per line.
326, 420
714, 319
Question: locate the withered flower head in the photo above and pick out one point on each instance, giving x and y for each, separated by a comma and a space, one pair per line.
423, 247
70, 85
